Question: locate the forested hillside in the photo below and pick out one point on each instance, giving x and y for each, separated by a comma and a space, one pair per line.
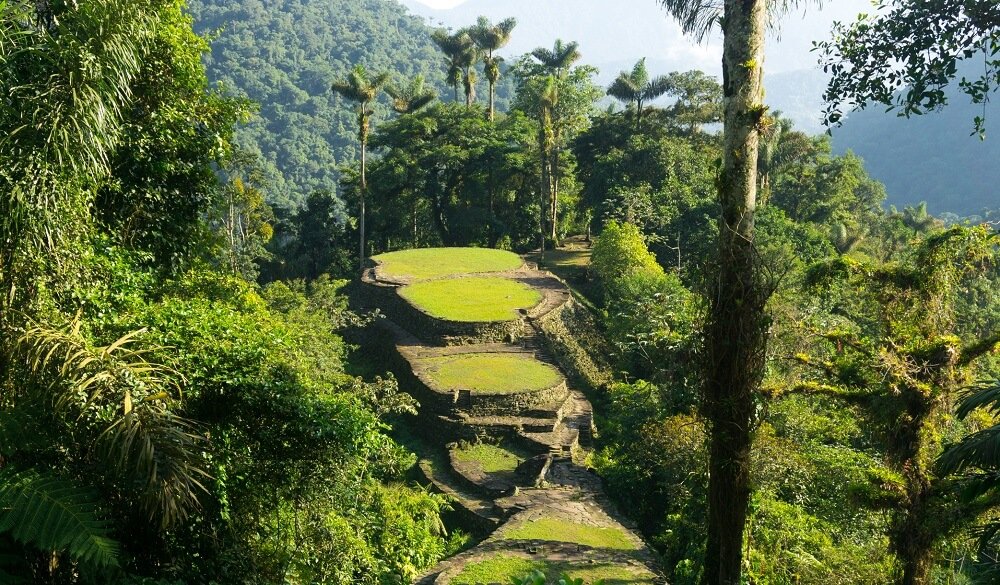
285, 54
930, 158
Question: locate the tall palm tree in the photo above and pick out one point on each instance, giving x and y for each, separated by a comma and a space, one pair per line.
636, 87
736, 335
490, 38
358, 87
558, 62
412, 97
559, 58
461, 54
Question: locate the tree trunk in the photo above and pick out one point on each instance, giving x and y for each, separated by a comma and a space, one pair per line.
361, 216
543, 189
554, 173
914, 545
736, 336
492, 100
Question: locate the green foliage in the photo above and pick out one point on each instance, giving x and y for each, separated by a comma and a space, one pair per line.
621, 251
447, 176
52, 514
311, 242
893, 58
173, 138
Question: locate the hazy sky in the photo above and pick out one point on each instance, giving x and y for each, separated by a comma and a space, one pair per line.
627, 29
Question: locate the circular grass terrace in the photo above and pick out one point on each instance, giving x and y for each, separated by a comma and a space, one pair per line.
502, 568
555, 529
490, 373
473, 299
429, 263
490, 458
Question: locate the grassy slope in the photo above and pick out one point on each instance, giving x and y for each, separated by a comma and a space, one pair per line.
559, 530
501, 569
478, 299
494, 373
424, 263
491, 458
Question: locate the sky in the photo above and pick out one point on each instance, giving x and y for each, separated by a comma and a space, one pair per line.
640, 28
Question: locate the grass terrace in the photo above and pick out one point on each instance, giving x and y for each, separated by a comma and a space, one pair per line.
503, 568
490, 458
561, 530
491, 373
474, 299
427, 263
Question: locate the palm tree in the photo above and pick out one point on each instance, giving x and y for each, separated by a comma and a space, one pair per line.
462, 55
560, 58
490, 38
558, 62
636, 87
412, 97
358, 87
736, 335
769, 158
918, 219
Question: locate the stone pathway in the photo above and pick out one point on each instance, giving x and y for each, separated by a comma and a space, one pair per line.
550, 508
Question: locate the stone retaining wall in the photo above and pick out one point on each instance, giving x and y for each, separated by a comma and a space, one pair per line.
436, 331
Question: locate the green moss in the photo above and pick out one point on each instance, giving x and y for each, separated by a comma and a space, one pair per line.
503, 568
427, 263
559, 530
477, 299
491, 458
491, 373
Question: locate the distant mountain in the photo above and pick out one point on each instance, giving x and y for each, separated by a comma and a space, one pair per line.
284, 54
930, 158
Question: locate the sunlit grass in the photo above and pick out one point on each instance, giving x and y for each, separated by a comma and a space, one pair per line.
560, 530
503, 568
491, 458
425, 263
493, 373
475, 299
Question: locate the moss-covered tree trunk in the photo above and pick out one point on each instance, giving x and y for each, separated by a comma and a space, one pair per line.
736, 334
914, 449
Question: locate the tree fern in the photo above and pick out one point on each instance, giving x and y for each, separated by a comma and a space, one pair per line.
54, 514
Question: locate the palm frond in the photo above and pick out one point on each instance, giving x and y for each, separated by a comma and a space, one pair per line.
54, 514
696, 17
979, 450
157, 452
985, 395
656, 87
623, 89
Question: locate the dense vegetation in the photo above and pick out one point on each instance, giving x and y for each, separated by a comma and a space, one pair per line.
284, 56
162, 419
175, 405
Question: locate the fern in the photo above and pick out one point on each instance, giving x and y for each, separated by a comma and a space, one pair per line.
50, 513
